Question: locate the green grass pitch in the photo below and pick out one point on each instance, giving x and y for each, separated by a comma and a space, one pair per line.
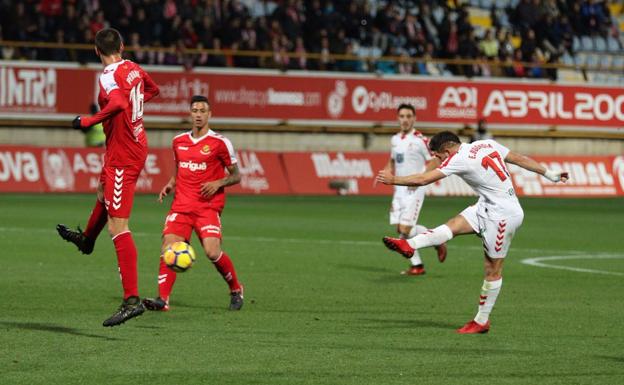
325, 303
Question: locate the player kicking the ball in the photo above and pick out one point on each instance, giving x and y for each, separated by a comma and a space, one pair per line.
201, 157
495, 217
124, 87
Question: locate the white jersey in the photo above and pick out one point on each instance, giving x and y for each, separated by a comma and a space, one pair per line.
410, 153
481, 165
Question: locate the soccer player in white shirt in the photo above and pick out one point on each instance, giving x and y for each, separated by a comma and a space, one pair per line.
495, 217
410, 155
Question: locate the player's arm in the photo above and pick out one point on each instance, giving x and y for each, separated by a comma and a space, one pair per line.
168, 188
233, 177
423, 179
432, 164
532, 165
150, 88
390, 165
116, 103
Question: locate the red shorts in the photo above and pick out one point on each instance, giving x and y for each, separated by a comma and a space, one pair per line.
207, 224
119, 184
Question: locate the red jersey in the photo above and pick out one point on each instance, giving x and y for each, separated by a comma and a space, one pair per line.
200, 160
124, 87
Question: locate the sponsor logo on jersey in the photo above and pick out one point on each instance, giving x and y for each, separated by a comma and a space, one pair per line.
182, 148
205, 150
193, 166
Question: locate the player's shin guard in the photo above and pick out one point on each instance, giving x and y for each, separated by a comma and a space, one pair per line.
97, 220
224, 265
433, 237
127, 261
489, 293
166, 279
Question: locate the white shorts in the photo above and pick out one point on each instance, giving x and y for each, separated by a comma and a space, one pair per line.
406, 207
496, 234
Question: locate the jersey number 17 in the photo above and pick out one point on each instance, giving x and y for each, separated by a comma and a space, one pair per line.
495, 162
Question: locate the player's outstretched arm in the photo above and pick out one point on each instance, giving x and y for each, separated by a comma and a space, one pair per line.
211, 187
116, 103
423, 179
532, 165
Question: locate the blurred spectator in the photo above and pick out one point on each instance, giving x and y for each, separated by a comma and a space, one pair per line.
481, 133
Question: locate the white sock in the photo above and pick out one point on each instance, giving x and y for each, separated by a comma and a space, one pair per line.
434, 237
417, 229
415, 259
489, 293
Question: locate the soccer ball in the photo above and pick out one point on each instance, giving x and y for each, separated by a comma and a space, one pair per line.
179, 256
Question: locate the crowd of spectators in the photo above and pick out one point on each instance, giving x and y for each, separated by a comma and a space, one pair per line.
362, 28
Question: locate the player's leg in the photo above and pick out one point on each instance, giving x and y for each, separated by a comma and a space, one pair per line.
178, 227
119, 192
457, 225
208, 228
85, 240
411, 204
489, 293
166, 276
496, 236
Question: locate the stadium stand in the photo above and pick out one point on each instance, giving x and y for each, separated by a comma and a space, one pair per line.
494, 34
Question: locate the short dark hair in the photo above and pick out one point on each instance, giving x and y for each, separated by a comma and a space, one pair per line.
441, 140
407, 106
199, 99
108, 41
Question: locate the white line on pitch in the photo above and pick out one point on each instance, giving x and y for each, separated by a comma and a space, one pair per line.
304, 240
538, 262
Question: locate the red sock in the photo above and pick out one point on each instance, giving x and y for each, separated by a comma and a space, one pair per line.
127, 261
97, 220
226, 268
166, 279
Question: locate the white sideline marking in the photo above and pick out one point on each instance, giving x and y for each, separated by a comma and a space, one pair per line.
308, 241
538, 262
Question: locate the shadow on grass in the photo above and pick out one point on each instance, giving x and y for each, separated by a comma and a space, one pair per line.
408, 324
369, 269
611, 358
52, 329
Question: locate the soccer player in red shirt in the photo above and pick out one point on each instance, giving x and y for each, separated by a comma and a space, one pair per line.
124, 87
201, 157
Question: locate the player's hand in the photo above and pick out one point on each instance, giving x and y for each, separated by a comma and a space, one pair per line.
76, 124
385, 177
210, 188
164, 192
557, 176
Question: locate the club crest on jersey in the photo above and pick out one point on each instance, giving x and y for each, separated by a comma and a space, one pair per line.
400, 158
205, 150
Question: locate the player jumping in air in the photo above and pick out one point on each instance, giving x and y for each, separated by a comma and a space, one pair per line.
410, 155
124, 87
495, 217
201, 157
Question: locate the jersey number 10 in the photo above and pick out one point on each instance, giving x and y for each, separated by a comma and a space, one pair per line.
136, 99
495, 162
